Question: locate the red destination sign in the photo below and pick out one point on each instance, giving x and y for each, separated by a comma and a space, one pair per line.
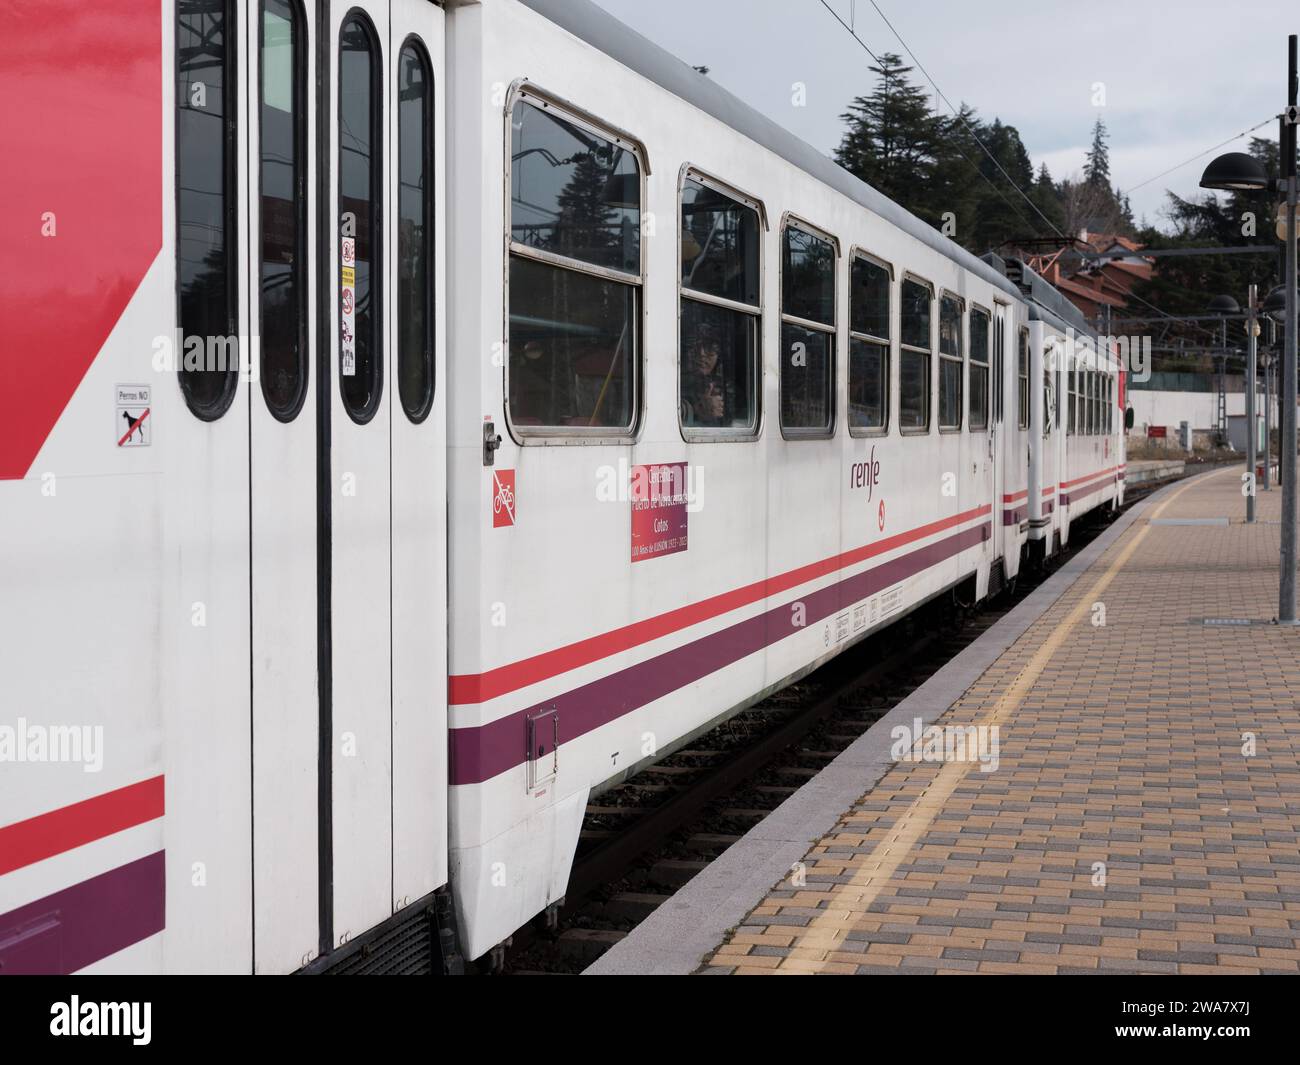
658, 510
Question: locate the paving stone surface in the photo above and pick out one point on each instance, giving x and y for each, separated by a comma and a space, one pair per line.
1144, 812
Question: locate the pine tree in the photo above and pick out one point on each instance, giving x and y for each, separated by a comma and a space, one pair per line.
939, 167
1096, 171
586, 223
891, 135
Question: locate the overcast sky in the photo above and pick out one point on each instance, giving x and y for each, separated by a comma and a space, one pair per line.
1180, 75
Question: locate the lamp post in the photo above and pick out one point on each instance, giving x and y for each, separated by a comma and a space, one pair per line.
1222, 306
1266, 360
1237, 170
1226, 305
1252, 430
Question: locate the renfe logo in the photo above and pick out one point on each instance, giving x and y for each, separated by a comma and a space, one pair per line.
102, 1018
865, 474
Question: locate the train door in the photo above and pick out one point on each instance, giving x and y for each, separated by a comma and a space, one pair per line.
384, 492
1004, 536
419, 473
280, 244
347, 469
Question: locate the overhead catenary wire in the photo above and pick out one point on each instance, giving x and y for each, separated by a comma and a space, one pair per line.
1011, 181
961, 118
1198, 155
1019, 214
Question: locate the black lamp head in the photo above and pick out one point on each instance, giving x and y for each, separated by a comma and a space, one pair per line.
1235, 170
1274, 304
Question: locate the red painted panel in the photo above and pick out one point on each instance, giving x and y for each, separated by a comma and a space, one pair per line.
82, 85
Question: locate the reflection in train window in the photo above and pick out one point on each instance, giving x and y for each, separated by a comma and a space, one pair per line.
571, 342
719, 357
869, 284
208, 360
1022, 378
1088, 405
573, 192
283, 215
950, 362
1050, 412
979, 368
575, 276
414, 231
807, 333
361, 251
1072, 395
999, 347
915, 335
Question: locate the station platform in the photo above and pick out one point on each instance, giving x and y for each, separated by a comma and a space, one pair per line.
1142, 813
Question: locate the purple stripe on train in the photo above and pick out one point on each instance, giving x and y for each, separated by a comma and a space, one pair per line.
1075, 495
72, 928
479, 753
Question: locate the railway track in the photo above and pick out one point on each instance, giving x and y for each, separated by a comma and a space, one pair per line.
647, 837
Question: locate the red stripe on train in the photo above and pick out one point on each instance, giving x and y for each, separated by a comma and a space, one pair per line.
45, 835
1089, 476
469, 688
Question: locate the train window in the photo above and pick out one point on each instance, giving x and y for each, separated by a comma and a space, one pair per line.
999, 346
950, 362
206, 251
807, 333
283, 219
979, 368
916, 345
360, 244
1022, 378
1084, 412
414, 230
1091, 384
869, 318
1073, 426
575, 275
719, 360
1049, 398
1110, 404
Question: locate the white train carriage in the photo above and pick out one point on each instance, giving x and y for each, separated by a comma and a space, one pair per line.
847, 471
1076, 446
497, 404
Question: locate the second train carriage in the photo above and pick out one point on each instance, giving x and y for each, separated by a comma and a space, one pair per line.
646, 284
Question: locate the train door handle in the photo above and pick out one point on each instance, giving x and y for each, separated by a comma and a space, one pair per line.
491, 441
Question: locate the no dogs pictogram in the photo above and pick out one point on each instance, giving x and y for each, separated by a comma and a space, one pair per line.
132, 427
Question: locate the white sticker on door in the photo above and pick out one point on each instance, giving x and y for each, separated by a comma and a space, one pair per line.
132, 427
348, 280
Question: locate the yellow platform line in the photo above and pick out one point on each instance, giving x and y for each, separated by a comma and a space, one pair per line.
829, 930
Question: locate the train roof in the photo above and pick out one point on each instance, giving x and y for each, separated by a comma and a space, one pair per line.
1046, 303
604, 32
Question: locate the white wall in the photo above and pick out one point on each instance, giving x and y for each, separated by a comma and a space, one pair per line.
1195, 408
